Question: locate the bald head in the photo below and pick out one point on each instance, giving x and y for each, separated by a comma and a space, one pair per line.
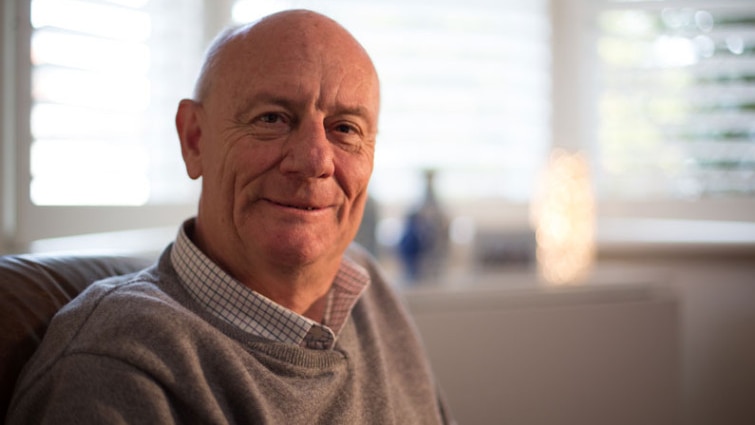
302, 29
282, 132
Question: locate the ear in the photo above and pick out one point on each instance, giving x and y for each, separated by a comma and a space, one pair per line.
189, 127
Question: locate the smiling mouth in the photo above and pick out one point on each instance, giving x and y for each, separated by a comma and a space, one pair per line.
298, 207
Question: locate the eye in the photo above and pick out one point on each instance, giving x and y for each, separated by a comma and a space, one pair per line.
268, 125
346, 134
271, 121
270, 118
346, 128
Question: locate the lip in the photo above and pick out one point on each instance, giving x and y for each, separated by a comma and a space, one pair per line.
297, 205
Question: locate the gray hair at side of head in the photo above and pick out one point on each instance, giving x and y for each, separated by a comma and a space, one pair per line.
210, 63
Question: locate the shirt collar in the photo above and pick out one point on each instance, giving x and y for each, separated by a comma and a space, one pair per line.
231, 301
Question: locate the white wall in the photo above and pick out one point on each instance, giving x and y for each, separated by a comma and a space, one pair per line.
542, 354
717, 294
593, 355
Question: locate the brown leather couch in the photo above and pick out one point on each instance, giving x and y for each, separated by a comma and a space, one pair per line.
32, 289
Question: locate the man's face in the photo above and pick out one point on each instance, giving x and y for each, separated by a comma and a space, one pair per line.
286, 149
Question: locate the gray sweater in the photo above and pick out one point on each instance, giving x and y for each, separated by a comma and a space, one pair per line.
138, 350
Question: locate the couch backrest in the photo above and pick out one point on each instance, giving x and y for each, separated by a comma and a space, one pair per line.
32, 289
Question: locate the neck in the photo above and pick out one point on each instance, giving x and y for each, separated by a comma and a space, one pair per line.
303, 291
302, 288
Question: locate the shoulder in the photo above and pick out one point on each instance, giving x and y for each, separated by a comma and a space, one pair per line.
108, 298
127, 317
103, 354
113, 301
127, 312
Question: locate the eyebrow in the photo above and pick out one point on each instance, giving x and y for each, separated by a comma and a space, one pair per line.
263, 97
274, 99
359, 111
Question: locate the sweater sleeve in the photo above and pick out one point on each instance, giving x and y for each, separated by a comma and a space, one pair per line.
91, 389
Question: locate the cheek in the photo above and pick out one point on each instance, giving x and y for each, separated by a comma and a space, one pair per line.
245, 162
354, 175
228, 185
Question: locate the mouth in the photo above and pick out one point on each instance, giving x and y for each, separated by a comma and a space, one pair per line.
297, 206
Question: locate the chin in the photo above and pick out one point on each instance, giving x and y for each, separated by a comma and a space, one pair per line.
297, 252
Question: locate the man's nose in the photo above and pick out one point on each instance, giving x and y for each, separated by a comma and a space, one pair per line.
308, 153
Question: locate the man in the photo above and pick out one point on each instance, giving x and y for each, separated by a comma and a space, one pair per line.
260, 312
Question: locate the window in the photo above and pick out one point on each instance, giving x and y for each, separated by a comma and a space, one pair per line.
465, 91
103, 89
454, 98
95, 87
675, 100
661, 95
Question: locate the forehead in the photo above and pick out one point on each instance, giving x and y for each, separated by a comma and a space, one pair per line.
315, 56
